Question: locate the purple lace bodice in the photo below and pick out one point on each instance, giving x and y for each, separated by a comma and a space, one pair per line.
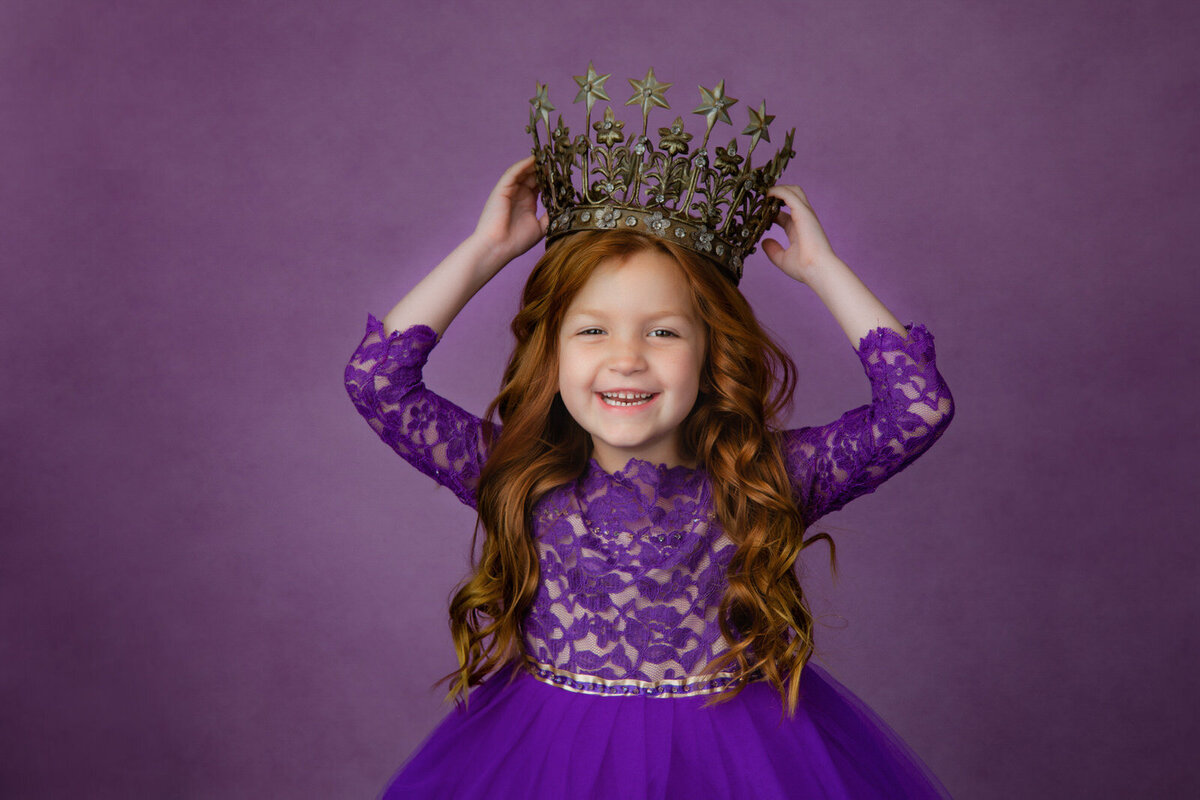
633, 563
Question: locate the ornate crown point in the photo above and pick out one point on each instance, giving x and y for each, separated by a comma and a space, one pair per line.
757, 129
591, 87
714, 104
541, 103
648, 92
714, 206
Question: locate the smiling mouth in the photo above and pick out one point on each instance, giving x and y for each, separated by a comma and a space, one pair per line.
624, 399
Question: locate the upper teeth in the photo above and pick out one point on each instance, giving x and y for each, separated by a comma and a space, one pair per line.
627, 395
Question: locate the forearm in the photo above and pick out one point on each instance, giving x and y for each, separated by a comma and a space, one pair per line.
857, 310
441, 294
910, 408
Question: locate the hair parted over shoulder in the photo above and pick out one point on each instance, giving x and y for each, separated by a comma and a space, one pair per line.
746, 383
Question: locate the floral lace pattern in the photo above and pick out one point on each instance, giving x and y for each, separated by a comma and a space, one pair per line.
428, 431
633, 563
910, 407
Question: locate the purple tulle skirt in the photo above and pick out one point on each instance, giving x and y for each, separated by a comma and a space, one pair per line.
527, 739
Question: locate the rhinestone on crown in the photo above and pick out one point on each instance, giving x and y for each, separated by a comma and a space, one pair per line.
714, 204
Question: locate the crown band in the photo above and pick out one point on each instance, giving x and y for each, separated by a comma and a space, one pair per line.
684, 232
715, 206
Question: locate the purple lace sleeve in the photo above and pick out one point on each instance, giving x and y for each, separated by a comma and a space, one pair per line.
428, 431
910, 407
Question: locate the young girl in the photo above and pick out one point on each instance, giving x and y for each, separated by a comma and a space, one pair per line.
635, 627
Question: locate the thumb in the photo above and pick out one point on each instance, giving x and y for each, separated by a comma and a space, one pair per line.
773, 250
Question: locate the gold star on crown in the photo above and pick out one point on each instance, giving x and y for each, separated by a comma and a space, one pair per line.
606, 178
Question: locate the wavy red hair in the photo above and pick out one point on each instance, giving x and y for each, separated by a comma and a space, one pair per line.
746, 384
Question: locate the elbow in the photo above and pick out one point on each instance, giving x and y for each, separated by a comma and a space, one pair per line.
358, 386
935, 410
943, 412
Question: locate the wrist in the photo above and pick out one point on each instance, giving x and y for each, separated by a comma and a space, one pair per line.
822, 271
486, 256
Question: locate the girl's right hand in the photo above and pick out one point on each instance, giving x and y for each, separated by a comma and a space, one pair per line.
507, 228
509, 224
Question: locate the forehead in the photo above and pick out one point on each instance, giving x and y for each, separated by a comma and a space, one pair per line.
645, 282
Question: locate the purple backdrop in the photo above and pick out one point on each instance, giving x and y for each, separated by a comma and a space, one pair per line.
216, 582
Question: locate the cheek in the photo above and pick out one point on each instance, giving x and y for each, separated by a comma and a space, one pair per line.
686, 373
564, 381
698, 363
562, 357
570, 371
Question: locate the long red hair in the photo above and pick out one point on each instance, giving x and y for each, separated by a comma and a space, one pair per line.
746, 384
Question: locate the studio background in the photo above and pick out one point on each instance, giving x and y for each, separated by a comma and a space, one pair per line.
216, 582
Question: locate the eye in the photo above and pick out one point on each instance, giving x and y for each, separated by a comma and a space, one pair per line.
591, 332
662, 332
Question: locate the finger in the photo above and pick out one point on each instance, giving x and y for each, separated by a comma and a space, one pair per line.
789, 188
527, 165
784, 220
773, 250
792, 196
516, 170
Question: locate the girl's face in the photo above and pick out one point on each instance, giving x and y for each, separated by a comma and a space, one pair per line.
631, 349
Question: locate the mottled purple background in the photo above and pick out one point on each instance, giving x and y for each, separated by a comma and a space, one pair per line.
216, 582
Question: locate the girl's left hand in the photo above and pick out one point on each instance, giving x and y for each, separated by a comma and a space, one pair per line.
808, 246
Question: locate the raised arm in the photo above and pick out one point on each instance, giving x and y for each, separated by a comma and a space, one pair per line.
508, 226
383, 377
910, 406
810, 259
432, 434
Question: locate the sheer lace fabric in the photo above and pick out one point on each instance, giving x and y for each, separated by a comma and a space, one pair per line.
428, 431
633, 563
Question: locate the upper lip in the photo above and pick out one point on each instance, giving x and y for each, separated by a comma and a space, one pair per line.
640, 392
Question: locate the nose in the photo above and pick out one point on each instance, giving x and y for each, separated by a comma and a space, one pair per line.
626, 357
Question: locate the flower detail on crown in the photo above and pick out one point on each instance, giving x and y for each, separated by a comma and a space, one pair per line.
715, 205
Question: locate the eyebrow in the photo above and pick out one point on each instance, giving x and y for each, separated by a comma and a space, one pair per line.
588, 312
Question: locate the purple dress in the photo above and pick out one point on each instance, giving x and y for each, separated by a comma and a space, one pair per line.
607, 703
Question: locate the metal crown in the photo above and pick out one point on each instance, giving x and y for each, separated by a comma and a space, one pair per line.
715, 205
